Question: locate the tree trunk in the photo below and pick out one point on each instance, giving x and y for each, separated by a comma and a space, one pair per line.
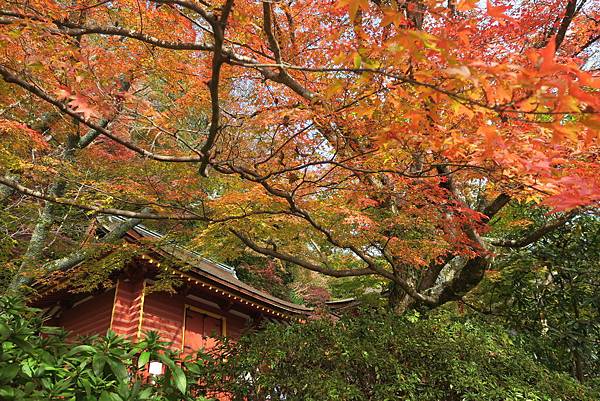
578, 366
464, 280
398, 300
44, 223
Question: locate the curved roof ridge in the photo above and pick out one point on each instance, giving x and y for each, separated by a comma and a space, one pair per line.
146, 232
216, 271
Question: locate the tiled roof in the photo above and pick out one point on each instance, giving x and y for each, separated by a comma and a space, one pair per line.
202, 267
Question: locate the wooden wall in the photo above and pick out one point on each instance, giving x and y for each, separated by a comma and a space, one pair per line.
92, 316
164, 313
130, 310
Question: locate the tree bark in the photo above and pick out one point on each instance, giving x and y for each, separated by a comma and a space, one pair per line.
47, 218
6, 191
464, 280
44, 223
398, 300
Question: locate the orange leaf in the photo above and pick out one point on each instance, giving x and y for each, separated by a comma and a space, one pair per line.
391, 16
547, 53
560, 132
497, 12
465, 5
354, 6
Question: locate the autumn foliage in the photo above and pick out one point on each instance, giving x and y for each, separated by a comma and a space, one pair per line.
350, 138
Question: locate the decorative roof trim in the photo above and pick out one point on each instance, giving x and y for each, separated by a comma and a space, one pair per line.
219, 274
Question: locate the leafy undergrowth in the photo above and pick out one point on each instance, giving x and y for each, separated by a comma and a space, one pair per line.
375, 356
38, 363
381, 356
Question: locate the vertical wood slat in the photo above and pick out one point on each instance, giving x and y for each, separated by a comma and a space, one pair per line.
128, 308
165, 313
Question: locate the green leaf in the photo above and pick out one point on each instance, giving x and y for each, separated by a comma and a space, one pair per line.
193, 367
26, 368
106, 396
4, 331
98, 363
87, 386
7, 393
82, 348
143, 359
9, 372
123, 390
52, 330
179, 379
117, 368
167, 361
28, 388
145, 394
24, 345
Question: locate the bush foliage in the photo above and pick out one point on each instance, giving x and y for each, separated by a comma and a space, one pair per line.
380, 356
552, 287
374, 356
38, 363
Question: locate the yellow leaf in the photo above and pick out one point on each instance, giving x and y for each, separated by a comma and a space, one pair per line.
353, 6
357, 60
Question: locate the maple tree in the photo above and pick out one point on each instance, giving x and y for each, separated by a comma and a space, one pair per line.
350, 138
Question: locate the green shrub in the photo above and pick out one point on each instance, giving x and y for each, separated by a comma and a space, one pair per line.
380, 356
37, 363
375, 356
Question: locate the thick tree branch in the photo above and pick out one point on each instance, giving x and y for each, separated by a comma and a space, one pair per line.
268, 28
218, 26
100, 210
192, 6
496, 205
298, 261
536, 234
73, 29
283, 76
587, 44
10, 77
5, 190
570, 12
9, 183
81, 255
464, 280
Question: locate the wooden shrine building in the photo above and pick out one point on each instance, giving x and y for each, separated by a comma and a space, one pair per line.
211, 302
